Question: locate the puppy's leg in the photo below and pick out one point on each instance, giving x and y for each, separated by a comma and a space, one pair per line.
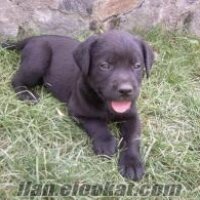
103, 142
35, 60
130, 162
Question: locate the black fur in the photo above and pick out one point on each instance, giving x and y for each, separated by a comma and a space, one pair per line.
88, 76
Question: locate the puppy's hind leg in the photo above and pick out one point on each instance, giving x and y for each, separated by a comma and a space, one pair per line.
35, 61
22, 90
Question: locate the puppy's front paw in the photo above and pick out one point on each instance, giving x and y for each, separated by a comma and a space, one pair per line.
28, 96
105, 145
131, 166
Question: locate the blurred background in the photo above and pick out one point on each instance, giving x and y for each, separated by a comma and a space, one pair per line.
19, 18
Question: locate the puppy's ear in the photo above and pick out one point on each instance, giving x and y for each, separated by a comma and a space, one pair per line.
82, 54
148, 57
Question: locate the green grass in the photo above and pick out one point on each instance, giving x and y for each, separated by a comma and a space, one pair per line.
39, 143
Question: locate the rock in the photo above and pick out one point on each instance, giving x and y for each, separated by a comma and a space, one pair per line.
10, 18
194, 25
104, 9
71, 17
181, 15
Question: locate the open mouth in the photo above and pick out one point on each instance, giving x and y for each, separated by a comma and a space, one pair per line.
121, 106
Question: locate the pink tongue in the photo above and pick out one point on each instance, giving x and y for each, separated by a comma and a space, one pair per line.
121, 106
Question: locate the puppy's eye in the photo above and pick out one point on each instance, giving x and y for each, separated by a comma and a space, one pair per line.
136, 66
105, 66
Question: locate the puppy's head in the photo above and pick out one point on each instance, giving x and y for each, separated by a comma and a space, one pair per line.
113, 64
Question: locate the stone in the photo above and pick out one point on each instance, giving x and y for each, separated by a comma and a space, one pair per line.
104, 9
174, 15
10, 18
72, 17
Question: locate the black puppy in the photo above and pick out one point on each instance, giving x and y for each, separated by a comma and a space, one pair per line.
99, 80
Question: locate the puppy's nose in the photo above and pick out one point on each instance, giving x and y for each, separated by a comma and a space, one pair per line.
125, 89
